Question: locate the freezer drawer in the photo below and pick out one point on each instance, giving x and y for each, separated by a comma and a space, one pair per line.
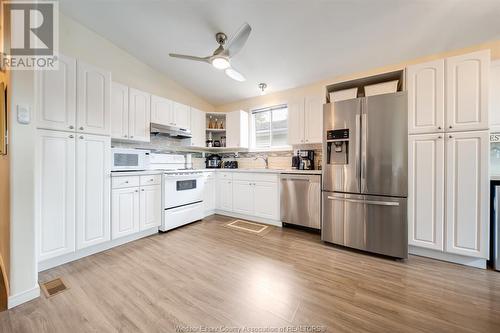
300, 198
371, 223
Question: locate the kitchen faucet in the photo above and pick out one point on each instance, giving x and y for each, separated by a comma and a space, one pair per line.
265, 158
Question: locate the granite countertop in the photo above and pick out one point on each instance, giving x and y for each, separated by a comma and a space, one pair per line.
157, 172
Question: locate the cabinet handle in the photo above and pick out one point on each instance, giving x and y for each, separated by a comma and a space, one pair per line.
450, 136
440, 137
71, 136
439, 127
151, 179
451, 126
71, 127
81, 136
125, 136
81, 128
126, 182
142, 190
131, 136
136, 190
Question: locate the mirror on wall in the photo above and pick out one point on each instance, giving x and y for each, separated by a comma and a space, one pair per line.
3, 121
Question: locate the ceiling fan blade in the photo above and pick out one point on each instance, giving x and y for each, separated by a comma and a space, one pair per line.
188, 57
234, 74
238, 40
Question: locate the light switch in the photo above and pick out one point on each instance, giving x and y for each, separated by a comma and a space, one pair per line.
23, 114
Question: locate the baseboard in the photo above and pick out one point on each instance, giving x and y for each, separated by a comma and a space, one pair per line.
454, 258
249, 217
24, 297
53, 262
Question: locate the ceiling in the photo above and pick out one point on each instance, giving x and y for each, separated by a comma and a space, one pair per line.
293, 42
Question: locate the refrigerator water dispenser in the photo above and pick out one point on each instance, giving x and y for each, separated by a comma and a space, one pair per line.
337, 143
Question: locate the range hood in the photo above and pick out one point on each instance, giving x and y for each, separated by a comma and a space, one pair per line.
172, 131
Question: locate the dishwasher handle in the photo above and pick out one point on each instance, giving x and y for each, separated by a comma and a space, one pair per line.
297, 177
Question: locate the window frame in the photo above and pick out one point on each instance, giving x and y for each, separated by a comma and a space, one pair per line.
271, 108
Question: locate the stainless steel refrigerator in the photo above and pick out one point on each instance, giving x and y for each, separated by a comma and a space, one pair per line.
365, 174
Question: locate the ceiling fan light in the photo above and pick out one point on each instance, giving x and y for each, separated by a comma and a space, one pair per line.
220, 63
235, 75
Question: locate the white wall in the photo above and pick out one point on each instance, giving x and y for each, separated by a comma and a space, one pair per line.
23, 271
79, 42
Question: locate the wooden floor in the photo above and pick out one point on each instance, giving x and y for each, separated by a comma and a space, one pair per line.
209, 275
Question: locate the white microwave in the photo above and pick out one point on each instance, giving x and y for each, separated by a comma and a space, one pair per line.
129, 159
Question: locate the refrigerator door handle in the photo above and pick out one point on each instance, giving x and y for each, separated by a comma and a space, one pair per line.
357, 152
364, 134
368, 202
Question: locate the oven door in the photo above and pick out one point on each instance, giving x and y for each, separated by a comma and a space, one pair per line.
181, 190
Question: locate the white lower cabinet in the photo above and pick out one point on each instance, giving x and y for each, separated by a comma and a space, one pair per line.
125, 212
251, 194
55, 193
209, 194
150, 207
92, 190
136, 205
467, 194
452, 219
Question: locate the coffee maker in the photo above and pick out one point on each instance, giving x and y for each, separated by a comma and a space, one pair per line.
303, 160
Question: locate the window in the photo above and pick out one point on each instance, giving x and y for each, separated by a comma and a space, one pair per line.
270, 127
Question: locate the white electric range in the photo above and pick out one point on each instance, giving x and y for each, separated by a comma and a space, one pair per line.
182, 191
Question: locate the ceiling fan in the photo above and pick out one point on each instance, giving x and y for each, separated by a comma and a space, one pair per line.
221, 58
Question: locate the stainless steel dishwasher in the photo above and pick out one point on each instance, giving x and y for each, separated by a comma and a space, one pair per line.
301, 199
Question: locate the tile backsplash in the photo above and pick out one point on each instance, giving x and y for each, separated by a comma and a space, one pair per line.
165, 144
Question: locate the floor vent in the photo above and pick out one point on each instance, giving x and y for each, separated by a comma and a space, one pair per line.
254, 228
53, 287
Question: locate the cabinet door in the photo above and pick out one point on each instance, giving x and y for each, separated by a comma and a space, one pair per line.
209, 196
243, 197
237, 129
124, 212
495, 96
467, 194
225, 195
56, 96
197, 128
266, 200
313, 119
55, 193
139, 115
93, 169
150, 207
425, 85
182, 116
162, 111
296, 122
93, 114
119, 111
426, 191
467, 79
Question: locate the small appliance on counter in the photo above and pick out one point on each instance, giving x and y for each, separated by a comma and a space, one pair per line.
230, 165
303, 160
213, 161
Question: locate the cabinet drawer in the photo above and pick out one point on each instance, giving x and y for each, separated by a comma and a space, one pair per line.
266, 177
245, 176
150, 180
225, 175
209, 175
122, 182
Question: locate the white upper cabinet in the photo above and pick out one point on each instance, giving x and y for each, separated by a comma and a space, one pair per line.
119, 111
313, 119
182, 115
426, 191
151, 209
162, 111
198, 121
139, 115
125, 211
237, 129
296, 122
467, 194
94, 100
305, 120
425, 85
56, 96
467, 102
495, 96
93, 171
55, 193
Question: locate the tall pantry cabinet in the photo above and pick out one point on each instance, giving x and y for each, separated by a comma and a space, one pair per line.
448, 205
72, 162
